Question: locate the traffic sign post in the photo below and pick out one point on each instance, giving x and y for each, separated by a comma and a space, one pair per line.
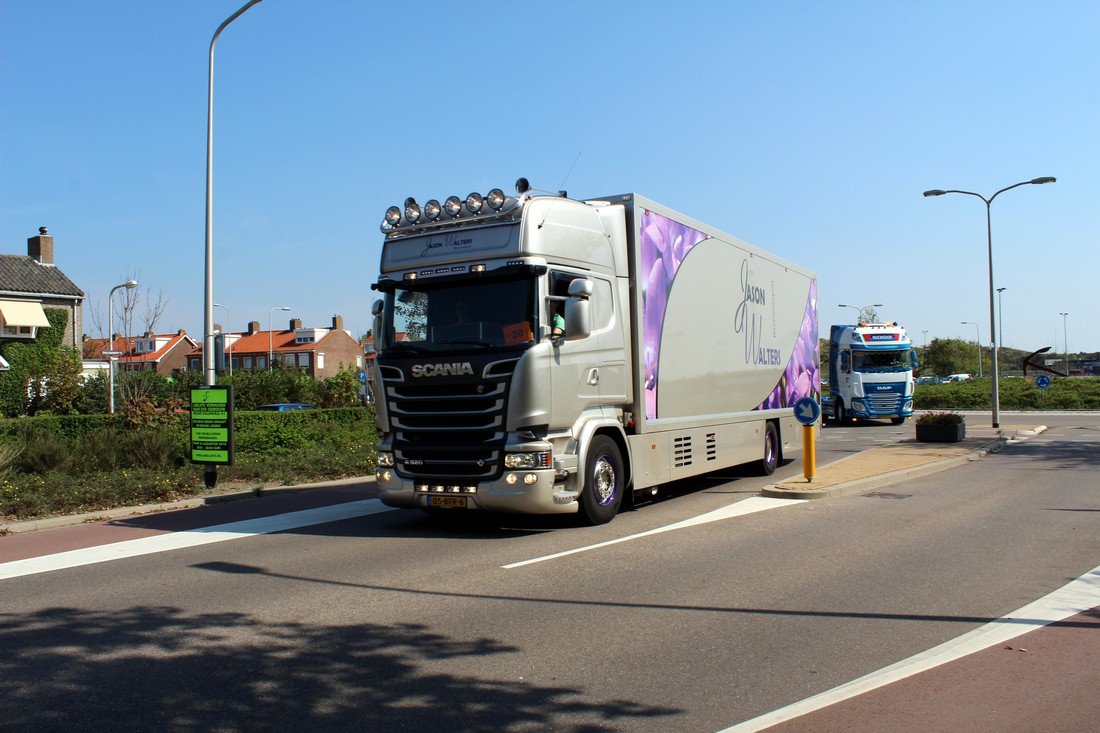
807, 411
1042, 381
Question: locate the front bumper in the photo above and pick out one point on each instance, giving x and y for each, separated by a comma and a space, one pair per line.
544, 496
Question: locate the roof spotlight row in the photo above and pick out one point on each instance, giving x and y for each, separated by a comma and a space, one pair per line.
433, 211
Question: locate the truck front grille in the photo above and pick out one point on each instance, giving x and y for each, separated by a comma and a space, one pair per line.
450, 430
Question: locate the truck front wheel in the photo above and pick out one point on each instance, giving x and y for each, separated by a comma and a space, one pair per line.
603, 481
838, 413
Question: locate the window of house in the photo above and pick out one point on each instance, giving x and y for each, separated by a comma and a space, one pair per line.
303, 361
18, 332
320, 361
248, 362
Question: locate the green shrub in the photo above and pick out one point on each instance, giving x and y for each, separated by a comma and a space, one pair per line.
940, 418
43, 452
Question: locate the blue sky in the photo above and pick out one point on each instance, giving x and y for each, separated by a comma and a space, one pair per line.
810, 129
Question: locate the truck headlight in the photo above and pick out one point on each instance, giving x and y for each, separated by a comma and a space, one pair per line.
385, 459
527, 460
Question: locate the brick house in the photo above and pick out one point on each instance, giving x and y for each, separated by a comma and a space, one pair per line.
321, 352
163, 353
28, 284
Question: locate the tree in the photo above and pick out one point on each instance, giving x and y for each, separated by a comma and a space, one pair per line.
131, 300
950, 356
44, 375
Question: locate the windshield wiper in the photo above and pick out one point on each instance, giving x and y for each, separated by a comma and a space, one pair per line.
412, 348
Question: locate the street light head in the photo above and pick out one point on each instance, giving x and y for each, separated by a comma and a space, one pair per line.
1044, 179
935, 192
131, 284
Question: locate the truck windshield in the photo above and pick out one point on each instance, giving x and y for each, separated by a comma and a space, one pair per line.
896, 360
487, 314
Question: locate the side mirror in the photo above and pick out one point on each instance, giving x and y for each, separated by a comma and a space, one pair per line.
376, 310
913, 358
578, 319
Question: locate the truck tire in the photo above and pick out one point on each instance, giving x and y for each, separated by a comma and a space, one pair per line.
897, 420
838, 413
603, 489
768, 463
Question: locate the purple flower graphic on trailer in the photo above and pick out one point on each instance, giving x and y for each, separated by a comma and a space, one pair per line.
801, 378
664, 244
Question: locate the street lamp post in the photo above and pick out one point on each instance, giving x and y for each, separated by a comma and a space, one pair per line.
209, 377
229, 344
989, 243
1065, 339
111, 353
925, 332
859, 310
270, 350
978, 343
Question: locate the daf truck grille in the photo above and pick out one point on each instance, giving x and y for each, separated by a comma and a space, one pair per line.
886, 403
448, 430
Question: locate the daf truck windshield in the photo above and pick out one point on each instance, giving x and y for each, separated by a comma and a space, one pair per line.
482, 314
896, 360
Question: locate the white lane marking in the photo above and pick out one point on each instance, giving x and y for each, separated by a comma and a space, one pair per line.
1076, 597
748, 506
191, 538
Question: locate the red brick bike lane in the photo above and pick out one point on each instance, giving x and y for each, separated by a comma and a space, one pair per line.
92, 534
1045, 680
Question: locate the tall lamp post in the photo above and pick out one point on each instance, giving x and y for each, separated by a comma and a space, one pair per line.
209, 377
860, 310
925, 332
978, 343
270, 350
229, 346
111, 353
1065, 339
989, 241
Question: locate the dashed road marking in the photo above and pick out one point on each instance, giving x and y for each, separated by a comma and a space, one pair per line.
748, 506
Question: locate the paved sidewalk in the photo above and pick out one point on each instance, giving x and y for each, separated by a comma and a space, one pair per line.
906, 459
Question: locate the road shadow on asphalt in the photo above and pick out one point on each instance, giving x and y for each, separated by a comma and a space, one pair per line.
160, 668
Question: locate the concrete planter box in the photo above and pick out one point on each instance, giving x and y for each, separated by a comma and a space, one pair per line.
941, 433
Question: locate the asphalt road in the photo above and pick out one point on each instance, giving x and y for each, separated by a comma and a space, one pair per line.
395, 621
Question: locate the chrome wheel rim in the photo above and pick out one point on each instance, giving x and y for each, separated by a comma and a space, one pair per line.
603, 481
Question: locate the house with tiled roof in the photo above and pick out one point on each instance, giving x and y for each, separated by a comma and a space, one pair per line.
32, 282
162, 353
320, 352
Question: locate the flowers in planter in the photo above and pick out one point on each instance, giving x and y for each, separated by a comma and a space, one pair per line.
940, 418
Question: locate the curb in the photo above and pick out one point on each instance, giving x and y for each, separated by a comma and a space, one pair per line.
33, 525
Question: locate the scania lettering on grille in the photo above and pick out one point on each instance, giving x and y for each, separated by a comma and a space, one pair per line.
455, 369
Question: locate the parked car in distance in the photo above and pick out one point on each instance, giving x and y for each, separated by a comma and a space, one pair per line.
928, 380
956, 377
286, 406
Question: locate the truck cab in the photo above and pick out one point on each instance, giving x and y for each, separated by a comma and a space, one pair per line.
870, 373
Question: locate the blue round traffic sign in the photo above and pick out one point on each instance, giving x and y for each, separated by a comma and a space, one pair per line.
807, 411
1042, 381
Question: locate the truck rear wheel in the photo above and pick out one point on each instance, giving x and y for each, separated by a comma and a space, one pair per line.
770, 460
602, 493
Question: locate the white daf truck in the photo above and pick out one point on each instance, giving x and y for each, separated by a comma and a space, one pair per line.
870, 373
540, 354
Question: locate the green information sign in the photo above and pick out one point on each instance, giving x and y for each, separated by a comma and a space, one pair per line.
212, 425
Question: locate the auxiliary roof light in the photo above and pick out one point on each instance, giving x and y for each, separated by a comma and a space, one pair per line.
495, 199
453, 206
474, 202
393, 216
432, 210
412, 210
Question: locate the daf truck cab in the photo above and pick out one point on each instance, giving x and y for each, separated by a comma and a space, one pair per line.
870, 373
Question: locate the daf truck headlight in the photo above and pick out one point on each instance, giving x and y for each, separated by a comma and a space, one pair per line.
527, 460
474, 202
453, 206
385, 459
393, 216
495, 199
432, 210
412, 210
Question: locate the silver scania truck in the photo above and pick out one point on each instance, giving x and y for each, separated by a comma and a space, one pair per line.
541, 354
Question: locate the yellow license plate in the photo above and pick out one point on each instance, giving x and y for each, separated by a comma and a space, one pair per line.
451, 502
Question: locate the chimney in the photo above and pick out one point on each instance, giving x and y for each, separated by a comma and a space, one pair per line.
337, 323
41, 247
295, 324
253, 327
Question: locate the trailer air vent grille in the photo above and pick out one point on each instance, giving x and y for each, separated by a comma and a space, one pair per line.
712, 446
681, 451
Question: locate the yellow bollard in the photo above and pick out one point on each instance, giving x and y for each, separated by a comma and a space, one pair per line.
809, 457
